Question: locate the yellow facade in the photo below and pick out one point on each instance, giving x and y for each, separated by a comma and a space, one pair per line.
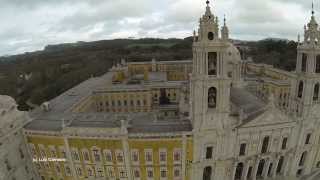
180, 166
175, 71
126, 100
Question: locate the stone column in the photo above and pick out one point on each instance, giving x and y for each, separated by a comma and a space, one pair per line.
245, 171
234, 170
255, 169
286, 165
274, 169
266, 169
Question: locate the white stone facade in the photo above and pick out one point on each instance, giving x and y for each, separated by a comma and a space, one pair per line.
15, 160
259, 145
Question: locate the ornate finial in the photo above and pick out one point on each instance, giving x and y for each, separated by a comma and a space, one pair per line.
312, 8
208, 2
224, 19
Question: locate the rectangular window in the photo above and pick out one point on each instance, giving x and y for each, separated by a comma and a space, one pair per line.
122, 173
53, 152
67, 170
177, 155
163, 156
75, 155
176, 172
135, 155
284, 143
108, 156
79, 171
42, 151
89, 171
163, 172
85, 155
136, 173
149, 172
209, 152
119, 156
100, 172
242, 149
148, 156
96, 155
110, 171
308, 139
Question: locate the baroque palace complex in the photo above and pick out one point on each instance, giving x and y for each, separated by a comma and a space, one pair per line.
215, 117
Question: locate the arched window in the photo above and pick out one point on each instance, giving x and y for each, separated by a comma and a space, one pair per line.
210, 36
300, 89
239, 170
212, 97
207, 173
212, 63
303, 158
280, 163
265, 144
316, 92
260, 167
318, 64
304, 62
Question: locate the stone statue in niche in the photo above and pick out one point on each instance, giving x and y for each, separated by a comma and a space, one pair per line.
212, 97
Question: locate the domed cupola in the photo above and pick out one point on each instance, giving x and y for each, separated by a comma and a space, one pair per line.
225, 30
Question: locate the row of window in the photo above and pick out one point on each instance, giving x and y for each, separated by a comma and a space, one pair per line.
265, 144
316, 90
122, 172
123, 103
243, 148
119, 156
109, 171
109, 156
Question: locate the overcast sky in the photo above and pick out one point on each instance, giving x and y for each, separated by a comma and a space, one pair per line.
28, 25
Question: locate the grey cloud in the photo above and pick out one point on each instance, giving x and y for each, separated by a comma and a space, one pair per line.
31, 24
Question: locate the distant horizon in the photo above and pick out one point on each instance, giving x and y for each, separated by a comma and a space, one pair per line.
28, 26
128, 38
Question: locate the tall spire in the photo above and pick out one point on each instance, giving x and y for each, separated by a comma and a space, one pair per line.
225, 30
312, 12
208, 11
312, 8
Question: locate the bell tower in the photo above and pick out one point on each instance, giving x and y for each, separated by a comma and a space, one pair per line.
209, 82
305, 89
